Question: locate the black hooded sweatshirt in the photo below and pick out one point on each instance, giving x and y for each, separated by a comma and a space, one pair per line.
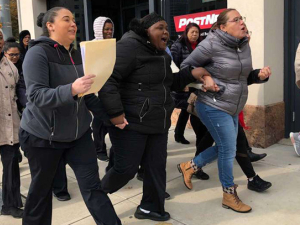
52, 113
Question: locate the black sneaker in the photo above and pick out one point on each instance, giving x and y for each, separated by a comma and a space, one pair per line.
258, 184
63, 197
12, 211
102, 157
167, 196
201, 175
151, 215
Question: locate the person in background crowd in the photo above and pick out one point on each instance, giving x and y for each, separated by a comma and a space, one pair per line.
24, 38
103, 29
253, 156
12, 53
181, 49
295, 137
9, 141
226, 55
138, 102
56, 121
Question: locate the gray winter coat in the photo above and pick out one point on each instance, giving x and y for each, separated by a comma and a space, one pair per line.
229, 62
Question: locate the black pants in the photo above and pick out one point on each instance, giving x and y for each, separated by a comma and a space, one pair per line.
11, 195
60, 181
129, 149
99, 132
199, 128
241, 150
81, 157
181, 123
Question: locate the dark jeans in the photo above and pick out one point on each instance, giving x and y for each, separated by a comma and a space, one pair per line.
130, 148
11, 195
99, 132
43, 163
241, 150
181, 123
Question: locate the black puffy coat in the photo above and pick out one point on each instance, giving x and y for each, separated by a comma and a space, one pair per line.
140, 85
179, 52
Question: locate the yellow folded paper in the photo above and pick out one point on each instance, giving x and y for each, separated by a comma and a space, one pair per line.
98, 58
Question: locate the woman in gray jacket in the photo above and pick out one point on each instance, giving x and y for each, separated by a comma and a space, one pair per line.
226, 55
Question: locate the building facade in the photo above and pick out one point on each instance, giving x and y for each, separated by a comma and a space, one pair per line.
273, 109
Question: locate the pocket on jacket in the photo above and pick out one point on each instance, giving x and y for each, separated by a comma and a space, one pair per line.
145, 109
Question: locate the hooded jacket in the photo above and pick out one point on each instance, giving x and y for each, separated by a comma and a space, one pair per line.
99, 25
52, 113
229, 62
9, 117
297, 66
22, 34
140, 85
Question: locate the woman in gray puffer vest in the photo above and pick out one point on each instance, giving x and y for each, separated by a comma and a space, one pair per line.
226, 55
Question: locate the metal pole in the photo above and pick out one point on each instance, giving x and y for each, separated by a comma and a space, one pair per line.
5, 18
86, 20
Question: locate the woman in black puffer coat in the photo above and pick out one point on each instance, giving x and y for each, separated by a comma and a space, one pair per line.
139, 90
181, 49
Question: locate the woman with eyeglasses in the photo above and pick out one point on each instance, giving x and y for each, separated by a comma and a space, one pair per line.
226, 55
9, 141
12, 52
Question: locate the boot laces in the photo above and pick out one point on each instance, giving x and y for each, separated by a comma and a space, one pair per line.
236, 198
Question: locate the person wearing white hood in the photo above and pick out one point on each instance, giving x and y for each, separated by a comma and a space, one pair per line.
103, 29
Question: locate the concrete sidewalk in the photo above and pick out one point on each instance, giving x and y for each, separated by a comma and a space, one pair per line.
278, 205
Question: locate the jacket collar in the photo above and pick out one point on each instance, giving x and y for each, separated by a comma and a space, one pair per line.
229, 40
142, 40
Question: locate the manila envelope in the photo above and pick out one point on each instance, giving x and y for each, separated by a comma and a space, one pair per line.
98, 58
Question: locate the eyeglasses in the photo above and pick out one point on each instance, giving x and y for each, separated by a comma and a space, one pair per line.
14, 55
238, 19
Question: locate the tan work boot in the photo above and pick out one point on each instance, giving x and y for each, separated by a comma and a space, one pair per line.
232, 201
187, 169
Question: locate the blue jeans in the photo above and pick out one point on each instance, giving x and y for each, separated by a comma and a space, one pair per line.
223, 128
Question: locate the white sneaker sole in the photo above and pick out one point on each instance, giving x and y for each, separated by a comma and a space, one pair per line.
294, 144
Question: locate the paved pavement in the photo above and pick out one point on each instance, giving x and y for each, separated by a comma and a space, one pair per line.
201, 206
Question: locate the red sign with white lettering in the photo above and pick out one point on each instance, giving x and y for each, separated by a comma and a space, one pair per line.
204, 19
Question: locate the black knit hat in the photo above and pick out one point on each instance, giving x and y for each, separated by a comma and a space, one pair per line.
150, 19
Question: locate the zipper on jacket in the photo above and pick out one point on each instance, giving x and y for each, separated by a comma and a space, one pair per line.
165, 93
237, 106
77, 104
52, 129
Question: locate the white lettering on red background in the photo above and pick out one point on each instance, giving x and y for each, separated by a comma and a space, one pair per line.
204, 19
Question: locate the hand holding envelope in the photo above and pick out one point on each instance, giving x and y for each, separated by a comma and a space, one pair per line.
98, 58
